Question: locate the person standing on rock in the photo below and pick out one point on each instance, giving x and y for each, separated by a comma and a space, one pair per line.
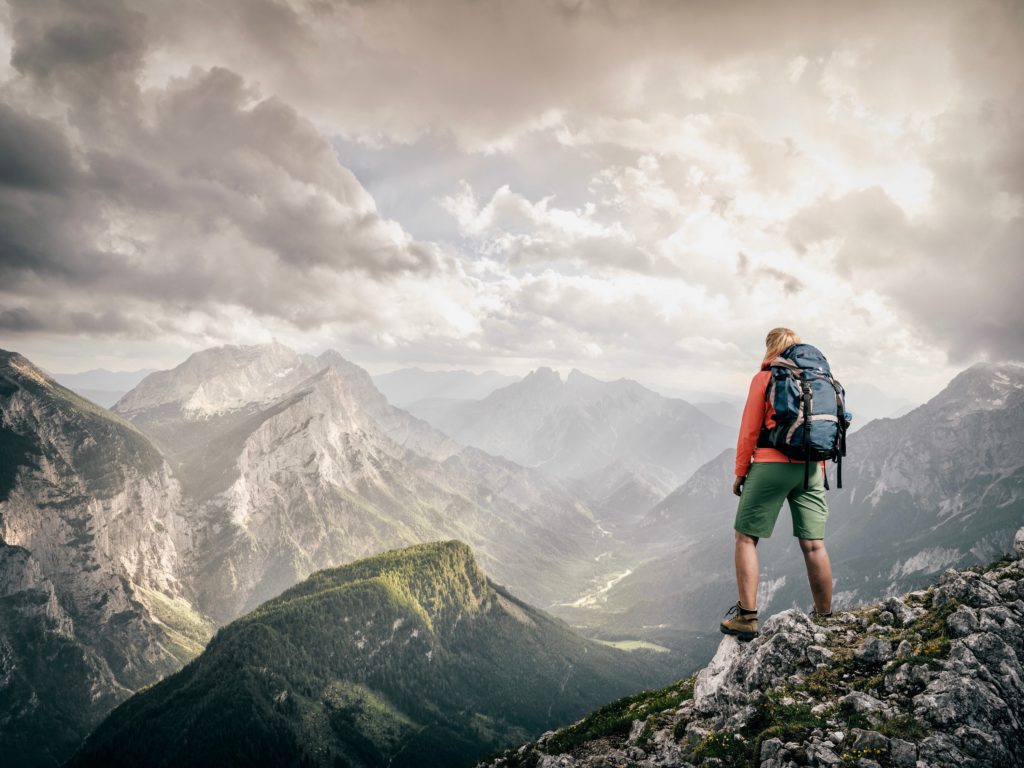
765, 478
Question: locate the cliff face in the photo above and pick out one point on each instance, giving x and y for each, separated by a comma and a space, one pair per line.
927, 680
92, 537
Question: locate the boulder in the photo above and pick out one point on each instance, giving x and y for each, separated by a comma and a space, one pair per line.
874, 650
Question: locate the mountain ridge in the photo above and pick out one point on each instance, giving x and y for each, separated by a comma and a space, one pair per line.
576, 429
305, 471
376, 662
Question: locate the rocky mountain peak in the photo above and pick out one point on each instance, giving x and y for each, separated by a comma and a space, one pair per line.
581, 385
543, 376
221, 379
982, 387
931, 679
578, 376
15, 363
345, 367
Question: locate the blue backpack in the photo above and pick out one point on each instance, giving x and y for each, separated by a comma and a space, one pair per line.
810, 410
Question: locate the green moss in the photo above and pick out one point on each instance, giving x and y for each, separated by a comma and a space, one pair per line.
904, 726
617, 717
728, 746
786, 721
850, 757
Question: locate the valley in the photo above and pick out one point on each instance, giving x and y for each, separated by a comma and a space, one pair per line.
209, 491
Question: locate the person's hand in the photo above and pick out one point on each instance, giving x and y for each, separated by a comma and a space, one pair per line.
737, 485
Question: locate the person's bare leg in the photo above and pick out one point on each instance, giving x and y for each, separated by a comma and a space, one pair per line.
746, 570
819, 573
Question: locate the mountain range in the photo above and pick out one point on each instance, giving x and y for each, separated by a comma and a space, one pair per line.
407, 385
382, 662
619, 445
295, 463
942, 486
128, 536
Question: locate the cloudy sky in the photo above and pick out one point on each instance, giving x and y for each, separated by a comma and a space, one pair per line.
637, 189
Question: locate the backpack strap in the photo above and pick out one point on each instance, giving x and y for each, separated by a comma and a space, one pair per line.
805, 388
841, 448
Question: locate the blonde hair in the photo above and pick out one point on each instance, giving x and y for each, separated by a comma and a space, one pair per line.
777, 340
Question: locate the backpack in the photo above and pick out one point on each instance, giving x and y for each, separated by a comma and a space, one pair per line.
803, 392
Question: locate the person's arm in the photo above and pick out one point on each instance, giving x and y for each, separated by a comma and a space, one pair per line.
750, 423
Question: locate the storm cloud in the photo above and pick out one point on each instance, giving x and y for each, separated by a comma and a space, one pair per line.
199, 194
559, 182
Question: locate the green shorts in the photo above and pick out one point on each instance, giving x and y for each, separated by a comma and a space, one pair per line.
768, 484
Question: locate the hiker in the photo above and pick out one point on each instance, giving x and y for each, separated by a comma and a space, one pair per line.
766, 476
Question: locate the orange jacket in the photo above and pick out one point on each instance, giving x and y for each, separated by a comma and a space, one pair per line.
758, 411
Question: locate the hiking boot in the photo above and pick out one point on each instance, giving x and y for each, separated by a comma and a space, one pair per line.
743, 627
819, 618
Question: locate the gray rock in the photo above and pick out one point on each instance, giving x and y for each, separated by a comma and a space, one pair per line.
556, 761
965, 587
874, 650
694, 734
962, 621
771, 748
908, 679
635, 753
739, 718
984, 746
940, 750
903, 650
960, 697
1018, 543
868, 739
824, 755
902, 754
1007, 589
901, 612
861, 703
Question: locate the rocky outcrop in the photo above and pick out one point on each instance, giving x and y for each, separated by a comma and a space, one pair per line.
927, 680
